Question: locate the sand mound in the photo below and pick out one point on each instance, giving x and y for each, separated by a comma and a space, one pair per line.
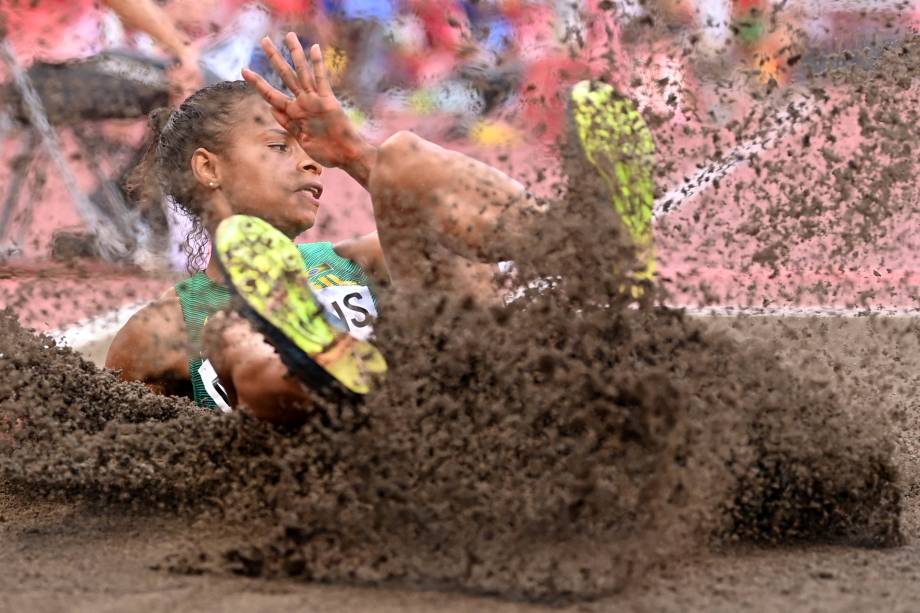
537, 454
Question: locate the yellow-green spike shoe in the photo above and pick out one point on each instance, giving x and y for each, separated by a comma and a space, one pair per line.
266, 271
615, 140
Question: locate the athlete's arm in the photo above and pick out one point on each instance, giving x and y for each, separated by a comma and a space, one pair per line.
367, 253
251, 371
475, 210
146, 16
151, 348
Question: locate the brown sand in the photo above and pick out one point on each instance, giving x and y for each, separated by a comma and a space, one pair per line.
86, 557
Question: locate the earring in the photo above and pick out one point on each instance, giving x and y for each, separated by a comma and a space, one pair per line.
212, 184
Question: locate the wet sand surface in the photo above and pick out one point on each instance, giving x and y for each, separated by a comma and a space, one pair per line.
75, 556
52, 565
104, 565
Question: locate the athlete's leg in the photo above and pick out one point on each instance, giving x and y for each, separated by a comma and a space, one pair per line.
609, 161
610, 142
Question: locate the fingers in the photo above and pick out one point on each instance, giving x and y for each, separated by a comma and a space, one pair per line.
271, 95
281, 66
304, 72
281, 117
319, 72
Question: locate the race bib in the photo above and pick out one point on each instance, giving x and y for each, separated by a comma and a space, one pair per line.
213, 386
350, 308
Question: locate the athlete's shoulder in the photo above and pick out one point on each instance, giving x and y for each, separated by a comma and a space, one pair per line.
151, 347
315, 249
366, 252
354, 248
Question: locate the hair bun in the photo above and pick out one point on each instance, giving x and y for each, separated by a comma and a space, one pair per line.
158, 120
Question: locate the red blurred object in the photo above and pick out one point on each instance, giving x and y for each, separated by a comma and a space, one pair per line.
445, 22
743, 7
289, 7
555, 69
545, 87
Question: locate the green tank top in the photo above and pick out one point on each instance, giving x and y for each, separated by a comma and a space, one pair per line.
339, 284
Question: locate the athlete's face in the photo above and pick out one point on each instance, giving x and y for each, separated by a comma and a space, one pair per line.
265, 173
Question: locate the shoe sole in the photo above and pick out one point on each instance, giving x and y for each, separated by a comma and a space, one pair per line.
615, 140
264, 270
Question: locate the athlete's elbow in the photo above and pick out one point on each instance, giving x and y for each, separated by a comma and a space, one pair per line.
403, 160
119, 359
400, 144
128, 361
125, 369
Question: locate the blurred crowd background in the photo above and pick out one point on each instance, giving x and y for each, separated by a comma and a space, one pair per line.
487, 75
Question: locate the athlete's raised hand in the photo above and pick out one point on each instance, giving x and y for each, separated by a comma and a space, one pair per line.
313, 116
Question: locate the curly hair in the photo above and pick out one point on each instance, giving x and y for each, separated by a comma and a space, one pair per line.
203, 120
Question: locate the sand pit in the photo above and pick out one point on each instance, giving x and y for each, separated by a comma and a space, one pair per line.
129, 553
483, 502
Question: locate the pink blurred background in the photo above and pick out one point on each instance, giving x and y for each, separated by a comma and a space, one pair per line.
488, 78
